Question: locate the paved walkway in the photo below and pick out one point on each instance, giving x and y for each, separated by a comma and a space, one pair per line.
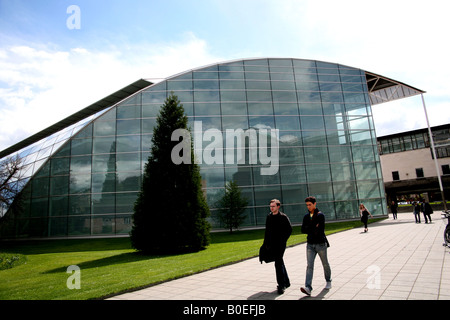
396, 259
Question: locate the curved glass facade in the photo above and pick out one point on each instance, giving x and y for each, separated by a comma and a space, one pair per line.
318, 113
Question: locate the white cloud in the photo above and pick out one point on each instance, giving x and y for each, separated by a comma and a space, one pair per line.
41, 86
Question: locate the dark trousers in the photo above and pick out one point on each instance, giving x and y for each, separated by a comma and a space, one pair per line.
281, 272
425, 216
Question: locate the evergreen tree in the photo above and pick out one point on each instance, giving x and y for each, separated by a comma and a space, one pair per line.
170, 212
232, 206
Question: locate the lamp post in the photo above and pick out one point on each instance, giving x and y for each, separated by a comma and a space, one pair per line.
434, 154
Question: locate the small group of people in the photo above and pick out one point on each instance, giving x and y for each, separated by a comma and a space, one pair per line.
278, 231
423, 207
418, 207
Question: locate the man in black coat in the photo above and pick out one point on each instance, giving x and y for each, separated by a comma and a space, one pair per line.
278, 231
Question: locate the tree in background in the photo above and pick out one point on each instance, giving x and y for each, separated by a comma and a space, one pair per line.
232, 206
170, 212
10, 182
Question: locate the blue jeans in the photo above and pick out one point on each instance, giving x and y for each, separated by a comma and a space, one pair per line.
311, 251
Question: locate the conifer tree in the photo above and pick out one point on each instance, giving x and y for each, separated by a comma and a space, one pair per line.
232, 206
170, 214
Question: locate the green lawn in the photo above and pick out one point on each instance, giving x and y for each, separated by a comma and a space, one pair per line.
111, 266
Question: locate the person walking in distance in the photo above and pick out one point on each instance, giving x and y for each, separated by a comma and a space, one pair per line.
278, 231
394, 207
364, 213
427, 210
314, 226
416, 211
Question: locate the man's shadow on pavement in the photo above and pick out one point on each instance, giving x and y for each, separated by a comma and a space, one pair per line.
320, 296
264, 295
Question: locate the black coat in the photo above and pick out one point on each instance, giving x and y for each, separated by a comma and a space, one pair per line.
314, 227
278, 231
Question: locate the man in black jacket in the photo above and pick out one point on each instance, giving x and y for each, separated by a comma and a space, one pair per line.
317, 243
278, 231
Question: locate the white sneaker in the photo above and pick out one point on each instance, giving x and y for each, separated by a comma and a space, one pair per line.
328, 286
305, 290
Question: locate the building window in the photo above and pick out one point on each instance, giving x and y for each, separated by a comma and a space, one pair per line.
395, 176
445, 169
419, 173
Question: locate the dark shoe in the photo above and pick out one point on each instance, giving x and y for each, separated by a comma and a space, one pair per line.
305, 290
280, 289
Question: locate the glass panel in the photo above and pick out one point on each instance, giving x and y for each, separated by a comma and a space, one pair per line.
104, 128
262, 122
57, 227
128, 126
242, 175
79, 226
148, 125
264, 194
232, 84
123, 224
260, 108
312, 123
104, 144
104, 182
128, 112
174, 85
80, 183
128, 181
60, 166
81, 146
293, 174
40, 187
151, 110
58, 206
231, 96
79, 204
263, 96
257, 85
104, 162
59, 185
345, 190
318, 172
365, 171
294, 194
80, 164
322, 192
342, 172
304, 96
287, 123
39, 207
291, 156
234, 108
128, 161
206, 96
128, 143
310, 109
234, 123
153, 97
103, 224
125, 202
285, 108
212, 177
368, 189
103, 203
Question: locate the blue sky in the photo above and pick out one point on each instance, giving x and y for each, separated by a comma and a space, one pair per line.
49, 71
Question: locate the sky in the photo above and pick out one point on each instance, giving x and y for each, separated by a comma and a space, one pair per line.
58, 56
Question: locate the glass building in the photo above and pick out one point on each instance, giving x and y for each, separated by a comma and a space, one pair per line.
81, 176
